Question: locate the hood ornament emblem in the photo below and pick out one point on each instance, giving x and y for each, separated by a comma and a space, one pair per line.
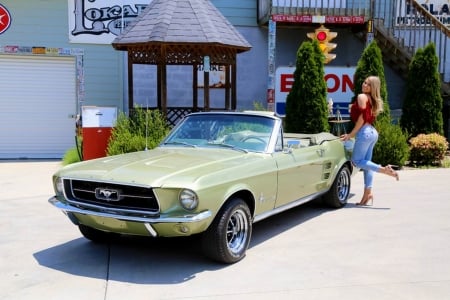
107, 194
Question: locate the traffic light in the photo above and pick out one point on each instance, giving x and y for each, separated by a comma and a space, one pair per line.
323, 35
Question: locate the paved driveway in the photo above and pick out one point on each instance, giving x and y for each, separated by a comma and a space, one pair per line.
397, 249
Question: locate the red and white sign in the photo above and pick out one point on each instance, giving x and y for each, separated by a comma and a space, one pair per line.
339, 86
312, 19
5, 19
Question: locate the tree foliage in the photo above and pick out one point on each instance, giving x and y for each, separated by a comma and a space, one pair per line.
306, 104
371, 64
422, 106
143, 129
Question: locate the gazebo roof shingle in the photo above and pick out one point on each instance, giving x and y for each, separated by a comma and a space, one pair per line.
179, 22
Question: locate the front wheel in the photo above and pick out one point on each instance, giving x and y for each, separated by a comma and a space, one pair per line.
338, 194
227, 238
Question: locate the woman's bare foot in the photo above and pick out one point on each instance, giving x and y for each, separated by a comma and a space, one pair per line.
389, 171
392, 172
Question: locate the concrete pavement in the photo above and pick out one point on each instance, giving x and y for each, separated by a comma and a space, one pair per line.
397, 249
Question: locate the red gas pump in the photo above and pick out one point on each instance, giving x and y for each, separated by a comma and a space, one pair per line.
97, 123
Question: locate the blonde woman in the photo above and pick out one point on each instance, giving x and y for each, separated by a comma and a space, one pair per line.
363, 113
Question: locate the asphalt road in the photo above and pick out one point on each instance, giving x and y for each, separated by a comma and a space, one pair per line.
397, 249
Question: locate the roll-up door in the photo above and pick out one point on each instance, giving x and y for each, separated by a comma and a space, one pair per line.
37, 105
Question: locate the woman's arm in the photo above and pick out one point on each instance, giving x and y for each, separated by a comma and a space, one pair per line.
359, 123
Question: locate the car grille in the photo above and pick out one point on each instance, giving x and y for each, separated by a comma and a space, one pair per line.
114, 197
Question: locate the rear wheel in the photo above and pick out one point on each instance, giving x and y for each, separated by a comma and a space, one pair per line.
338, 194
227, 238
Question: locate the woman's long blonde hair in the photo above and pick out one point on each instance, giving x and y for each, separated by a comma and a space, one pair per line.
375, 95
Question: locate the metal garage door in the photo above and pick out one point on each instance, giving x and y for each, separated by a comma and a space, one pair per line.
37, 98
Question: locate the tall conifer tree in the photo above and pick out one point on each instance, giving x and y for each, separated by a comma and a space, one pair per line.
422, 106
306, 104
371, 64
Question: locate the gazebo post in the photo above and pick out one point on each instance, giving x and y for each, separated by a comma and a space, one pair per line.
164, 89
195, 87
159, 86
227, 87
206, 90
234, 86
130, 82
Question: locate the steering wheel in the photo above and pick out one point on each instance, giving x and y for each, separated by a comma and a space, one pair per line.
252, 137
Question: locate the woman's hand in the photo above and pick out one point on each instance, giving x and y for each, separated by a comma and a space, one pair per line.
345, 137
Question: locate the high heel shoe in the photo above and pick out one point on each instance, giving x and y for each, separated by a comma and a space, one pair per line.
392, 172
366, 202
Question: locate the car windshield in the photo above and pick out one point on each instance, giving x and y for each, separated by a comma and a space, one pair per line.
248, 133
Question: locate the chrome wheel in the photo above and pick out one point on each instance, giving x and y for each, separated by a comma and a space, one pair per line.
237, 231
227, 238
340, 189
343, 185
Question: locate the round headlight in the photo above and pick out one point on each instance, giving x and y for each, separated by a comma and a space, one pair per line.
188, 199
59, 185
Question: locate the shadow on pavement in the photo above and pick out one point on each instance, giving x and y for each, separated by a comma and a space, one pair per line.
143, 260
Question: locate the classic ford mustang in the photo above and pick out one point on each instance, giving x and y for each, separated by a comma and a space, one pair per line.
215, 174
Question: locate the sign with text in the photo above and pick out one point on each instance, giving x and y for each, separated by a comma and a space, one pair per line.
100, 21
339, 86
406, 13
216, 76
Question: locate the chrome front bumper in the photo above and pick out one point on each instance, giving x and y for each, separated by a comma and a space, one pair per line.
69, 210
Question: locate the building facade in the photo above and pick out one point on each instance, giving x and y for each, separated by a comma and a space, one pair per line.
56, 57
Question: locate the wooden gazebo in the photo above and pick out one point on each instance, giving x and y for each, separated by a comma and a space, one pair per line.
183, 32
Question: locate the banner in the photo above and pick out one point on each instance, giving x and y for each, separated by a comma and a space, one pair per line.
100, 21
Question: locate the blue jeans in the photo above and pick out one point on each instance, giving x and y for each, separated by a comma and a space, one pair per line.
365, 141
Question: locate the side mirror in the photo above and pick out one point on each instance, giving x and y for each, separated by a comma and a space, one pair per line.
292, 144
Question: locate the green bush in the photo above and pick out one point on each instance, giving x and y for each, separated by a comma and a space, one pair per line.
392, 146
74, 154
259, 106
142, 129
71, 156
428, 149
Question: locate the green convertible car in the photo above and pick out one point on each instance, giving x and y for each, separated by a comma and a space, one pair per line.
215, 174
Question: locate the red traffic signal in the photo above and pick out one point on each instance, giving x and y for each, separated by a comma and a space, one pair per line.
323, 35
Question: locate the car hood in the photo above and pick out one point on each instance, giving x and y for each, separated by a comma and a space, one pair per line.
161, 166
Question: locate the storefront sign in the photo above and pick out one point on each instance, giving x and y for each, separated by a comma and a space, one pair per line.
406, 14
339, 86
216, 76
5, 19
100, 21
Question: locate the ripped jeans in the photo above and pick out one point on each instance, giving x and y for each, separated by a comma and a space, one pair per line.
365, 141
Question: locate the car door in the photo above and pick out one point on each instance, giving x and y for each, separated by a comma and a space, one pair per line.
299, 172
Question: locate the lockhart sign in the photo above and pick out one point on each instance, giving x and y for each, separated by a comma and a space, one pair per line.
339, 87
100, 21
5, 19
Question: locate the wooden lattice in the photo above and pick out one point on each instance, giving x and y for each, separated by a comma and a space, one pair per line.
180, 54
